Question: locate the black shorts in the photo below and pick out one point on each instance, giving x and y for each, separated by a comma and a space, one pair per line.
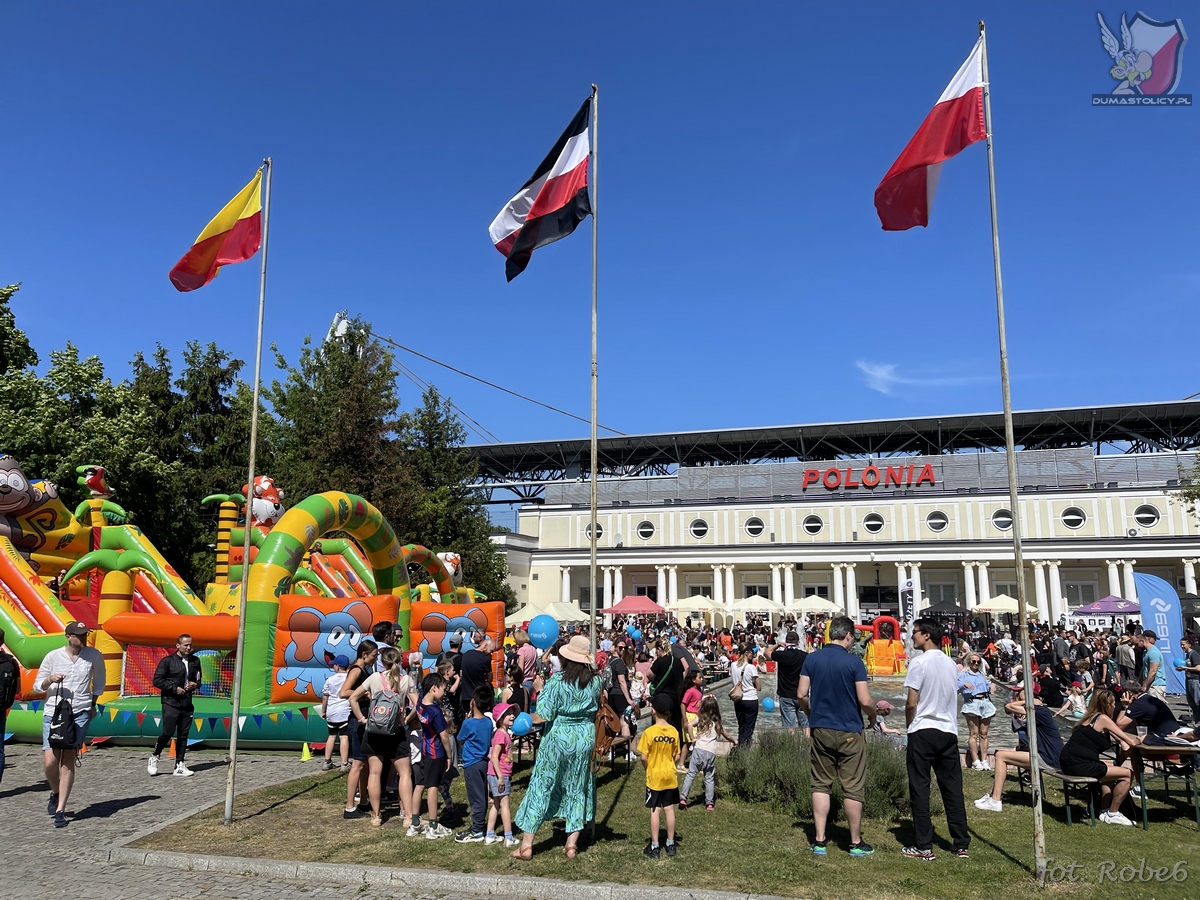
386, 746
337, 729
432, 771
418, 772
357, 751
662, 799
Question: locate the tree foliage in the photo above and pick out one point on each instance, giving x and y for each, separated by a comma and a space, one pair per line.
331, 422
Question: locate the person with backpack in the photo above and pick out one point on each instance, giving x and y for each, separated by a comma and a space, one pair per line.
392, 701
72, 677
10, 686
357, 780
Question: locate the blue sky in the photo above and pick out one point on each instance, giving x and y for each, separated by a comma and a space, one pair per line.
744, 277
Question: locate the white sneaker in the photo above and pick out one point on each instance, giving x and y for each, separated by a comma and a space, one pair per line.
432, 833
415, 831
986, 802
1114, 818
510, 842
492, 839
1135, 792
152, 766
978, 765
182, 771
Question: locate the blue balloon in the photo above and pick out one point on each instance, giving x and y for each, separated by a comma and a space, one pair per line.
768, 703
1180, 662
630, 629
636, 634
543, 631
673, 639
522, 725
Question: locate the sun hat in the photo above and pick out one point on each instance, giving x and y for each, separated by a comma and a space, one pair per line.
577, 650
883, 706
500, 709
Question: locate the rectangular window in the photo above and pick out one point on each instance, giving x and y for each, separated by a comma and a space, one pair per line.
1080, 593
699, 590
1003, 587
941, 593
756, 590
816, 590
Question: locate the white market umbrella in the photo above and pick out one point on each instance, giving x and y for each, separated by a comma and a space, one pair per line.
524, 614
566, 612
815, 604
697, 603
1000, 604
757, 604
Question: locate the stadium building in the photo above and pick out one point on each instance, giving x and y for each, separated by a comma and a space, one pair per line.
853, 511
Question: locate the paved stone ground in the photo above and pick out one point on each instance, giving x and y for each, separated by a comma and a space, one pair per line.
114, 800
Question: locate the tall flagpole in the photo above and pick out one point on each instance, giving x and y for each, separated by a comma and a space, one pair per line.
595, 404
235, 718
1035, 778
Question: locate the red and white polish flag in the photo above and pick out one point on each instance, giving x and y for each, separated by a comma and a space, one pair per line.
551, 203
905, 196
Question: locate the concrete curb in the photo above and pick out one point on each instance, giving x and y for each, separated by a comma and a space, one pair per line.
421, 880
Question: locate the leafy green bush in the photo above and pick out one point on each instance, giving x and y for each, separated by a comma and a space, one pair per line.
775, 771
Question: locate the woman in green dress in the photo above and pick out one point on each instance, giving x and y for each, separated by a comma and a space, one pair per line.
561, 786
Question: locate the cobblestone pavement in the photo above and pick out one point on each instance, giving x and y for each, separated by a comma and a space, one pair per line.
113, 801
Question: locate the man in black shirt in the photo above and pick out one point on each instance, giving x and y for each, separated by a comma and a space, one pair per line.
476, 669
1145, 711
177, 677
789, 661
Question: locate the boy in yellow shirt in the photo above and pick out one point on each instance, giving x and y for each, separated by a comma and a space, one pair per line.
659, 749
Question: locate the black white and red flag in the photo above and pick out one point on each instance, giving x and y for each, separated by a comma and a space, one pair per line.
551, 203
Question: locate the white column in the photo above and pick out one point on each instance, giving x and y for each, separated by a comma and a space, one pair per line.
729, 594
618, 584
1039, 590
1057, 606
662, 585
673, 583
839, 597
718, 594
914, 573
608, 588
985, 592
1130, 585
1114, 579
901, 577
851, 591
566, 584
776, 583
1189, 576
969, 579
789, 584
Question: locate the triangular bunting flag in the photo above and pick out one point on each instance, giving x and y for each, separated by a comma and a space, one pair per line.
37, 704
287, 714
258, 721
274, 717
304, 712
212, 723
158, 721
126, 714
241, 722
99, 709
141, 717
112, 714
227, 721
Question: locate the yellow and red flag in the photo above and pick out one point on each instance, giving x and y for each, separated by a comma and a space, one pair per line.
234, 235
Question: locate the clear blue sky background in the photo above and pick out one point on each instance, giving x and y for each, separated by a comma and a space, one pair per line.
744, 277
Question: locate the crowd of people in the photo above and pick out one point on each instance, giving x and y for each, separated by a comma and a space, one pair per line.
403, 731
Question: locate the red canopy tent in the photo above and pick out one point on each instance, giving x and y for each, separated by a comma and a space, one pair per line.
634, 605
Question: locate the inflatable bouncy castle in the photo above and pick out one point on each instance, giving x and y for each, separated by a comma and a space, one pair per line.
320, 575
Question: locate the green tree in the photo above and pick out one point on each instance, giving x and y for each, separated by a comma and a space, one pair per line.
450, 512
15, 352
334, 423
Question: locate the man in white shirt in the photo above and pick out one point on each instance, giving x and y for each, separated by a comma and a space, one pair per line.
74, 673
931, 712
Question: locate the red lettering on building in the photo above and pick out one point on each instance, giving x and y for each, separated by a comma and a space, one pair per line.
848, 482
836, 475
926, 475
894, 476
870, 476
811, 476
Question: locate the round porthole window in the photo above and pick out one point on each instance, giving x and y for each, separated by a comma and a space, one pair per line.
754, 526
698, 528
1002, 519
937, 520
645, 530
587, 532
872, 523
1073, 517
812, 525
1147, 516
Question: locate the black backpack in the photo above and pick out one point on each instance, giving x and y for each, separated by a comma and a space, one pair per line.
10, 680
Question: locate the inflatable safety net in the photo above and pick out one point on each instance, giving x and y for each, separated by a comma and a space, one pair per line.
216, 667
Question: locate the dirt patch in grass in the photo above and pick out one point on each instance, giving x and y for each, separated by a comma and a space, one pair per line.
738, 847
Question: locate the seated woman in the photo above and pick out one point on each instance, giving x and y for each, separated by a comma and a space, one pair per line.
1049, 746
1081, 757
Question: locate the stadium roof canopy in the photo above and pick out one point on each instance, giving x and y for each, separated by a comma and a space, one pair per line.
1128, 428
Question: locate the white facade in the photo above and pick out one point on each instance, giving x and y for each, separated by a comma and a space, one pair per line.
857, 545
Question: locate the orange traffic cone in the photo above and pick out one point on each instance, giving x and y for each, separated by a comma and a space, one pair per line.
172, 747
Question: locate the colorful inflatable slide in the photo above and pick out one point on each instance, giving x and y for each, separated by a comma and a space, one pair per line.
320, 575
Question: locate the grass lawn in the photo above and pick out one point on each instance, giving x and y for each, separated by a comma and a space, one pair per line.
739, 847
